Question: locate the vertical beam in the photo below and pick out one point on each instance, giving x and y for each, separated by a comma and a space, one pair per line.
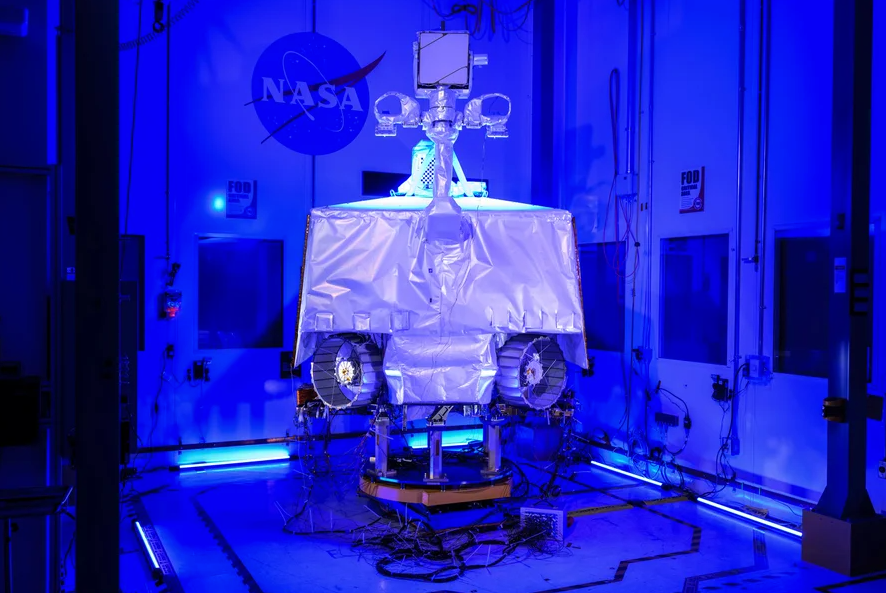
739, 196
492, 444
633, 105
435, 451
97, 413
846, 496
382, 445
843, 533
54, 433
544, 17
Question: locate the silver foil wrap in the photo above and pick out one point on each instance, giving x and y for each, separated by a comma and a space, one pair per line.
441, 309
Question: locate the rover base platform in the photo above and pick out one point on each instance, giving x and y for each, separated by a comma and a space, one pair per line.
465, 482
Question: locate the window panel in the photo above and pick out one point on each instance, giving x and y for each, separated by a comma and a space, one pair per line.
240, 293
695, 298
603, 292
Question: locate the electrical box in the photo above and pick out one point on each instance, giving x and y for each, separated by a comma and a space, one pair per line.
201, 369
720, 386
666, 419
731, 445
758, 369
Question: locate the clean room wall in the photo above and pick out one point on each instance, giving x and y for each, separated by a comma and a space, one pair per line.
695, 124
213, 137
695, 89
216, 137
601, 46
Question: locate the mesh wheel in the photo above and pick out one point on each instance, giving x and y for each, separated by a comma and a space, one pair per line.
531, 371
347, 371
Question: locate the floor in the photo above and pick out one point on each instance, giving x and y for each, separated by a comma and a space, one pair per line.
223, 530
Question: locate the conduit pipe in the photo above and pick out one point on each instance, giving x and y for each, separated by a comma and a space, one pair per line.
739, 190
650, 248
762, 164
632, 89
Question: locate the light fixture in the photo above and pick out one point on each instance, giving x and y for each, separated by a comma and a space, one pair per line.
210, 457
218, 204
451, 438
244, 461
709, 503
624, 473
141, 533
749, 517
408, 203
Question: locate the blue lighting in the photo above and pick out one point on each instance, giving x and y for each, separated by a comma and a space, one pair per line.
738, 513
412, 203
141, 534
218, 204
222, 456
451, 438
707, 502
627, 474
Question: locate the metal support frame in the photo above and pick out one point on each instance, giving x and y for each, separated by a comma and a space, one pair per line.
435, 473
97, 339
492, 446
843, 533
382, 446
436, 422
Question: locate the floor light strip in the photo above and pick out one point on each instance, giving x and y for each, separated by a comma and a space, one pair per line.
624, 473
147, 544
709, 503
245, 461
749, 517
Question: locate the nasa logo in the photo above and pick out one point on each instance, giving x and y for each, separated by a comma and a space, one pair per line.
310, 93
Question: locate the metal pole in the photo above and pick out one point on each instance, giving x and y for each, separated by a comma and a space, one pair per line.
97, 336
739, 208
382, 446
168, 63
650, 247
632, 89
739, 191
493, 448
763, 164
435, 451
843, 533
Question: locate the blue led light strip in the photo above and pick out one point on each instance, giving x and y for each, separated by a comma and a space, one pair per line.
147, 544
759, 520
707, 502
451, 438
245, 461
624, 473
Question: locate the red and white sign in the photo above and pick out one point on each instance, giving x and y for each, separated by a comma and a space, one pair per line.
692, 191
